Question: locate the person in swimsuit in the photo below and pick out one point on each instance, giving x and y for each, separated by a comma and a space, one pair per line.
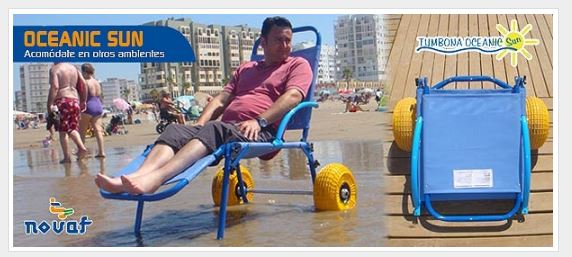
91, 117
68, 92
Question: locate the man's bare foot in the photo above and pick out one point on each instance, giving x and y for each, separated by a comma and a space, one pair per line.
111, 185
81, 154
141, 184
65, 160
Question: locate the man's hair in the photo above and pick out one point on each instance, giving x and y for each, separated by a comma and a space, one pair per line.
274, 21
87, 68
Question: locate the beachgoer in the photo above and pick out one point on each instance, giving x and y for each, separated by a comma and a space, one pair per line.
92, 116
68, 92
167, 109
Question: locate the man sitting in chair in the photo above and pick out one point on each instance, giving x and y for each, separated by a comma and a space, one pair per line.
167, 109
252, 105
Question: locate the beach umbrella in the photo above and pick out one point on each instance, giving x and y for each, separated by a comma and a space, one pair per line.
121, 104
186, 101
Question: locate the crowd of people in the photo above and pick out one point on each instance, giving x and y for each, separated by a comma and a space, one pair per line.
353, 100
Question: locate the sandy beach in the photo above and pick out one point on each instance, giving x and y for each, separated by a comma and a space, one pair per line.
328, 123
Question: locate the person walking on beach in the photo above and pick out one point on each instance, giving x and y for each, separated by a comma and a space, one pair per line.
251, 104
91, 117
68, 92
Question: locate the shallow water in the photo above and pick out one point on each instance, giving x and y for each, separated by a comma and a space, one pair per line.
189, 218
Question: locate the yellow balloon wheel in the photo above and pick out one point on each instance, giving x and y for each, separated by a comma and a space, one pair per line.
234, 197
335, 188
404, 115
537, 114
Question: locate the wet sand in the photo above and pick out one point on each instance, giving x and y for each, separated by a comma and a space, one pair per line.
189, 218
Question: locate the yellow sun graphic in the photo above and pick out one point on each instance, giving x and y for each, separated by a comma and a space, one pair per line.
515, 39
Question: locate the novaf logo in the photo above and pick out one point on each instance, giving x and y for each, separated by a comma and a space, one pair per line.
511, 41
62, 225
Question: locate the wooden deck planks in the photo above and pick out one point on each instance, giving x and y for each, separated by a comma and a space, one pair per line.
505, 241
395, 58
400, 82
428, 57
535, 74
540, 64
545, 28
463, 59
474, 57
416, 59
451, 60
535, 224
486, 60
511, 72
439, 62
499, 71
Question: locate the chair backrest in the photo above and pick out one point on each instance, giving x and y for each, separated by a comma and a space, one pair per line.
312, 54
471, 141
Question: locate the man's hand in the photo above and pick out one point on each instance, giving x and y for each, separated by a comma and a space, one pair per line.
249, 129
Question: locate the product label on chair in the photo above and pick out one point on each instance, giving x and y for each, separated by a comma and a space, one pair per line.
473, 178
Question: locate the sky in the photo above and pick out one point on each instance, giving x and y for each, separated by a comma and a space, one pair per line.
323, 22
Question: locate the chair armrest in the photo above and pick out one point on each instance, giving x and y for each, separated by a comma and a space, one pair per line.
284, 123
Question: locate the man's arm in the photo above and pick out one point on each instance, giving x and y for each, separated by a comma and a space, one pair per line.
285, 103
277, 110
53, 91
215, 108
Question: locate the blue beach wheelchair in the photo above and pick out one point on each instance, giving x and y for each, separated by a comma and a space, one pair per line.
334, 186
470, 145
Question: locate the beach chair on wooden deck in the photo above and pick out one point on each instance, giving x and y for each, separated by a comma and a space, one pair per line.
334, 186
469, 145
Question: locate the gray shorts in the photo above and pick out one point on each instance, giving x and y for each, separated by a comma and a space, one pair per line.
213, 134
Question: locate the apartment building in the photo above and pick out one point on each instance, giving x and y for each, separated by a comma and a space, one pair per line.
326, 64
238, 42
112, 88
171, 77
361, 45
219, 50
